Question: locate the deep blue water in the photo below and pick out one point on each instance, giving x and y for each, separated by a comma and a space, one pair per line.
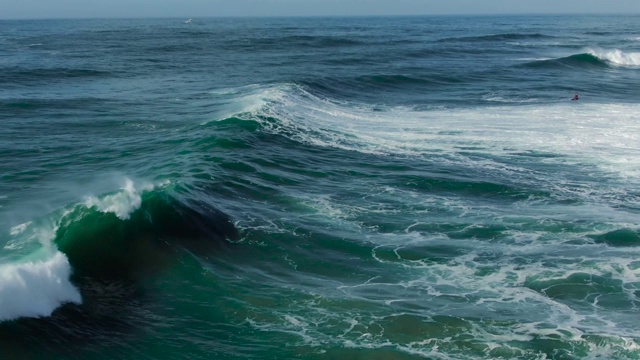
331, 188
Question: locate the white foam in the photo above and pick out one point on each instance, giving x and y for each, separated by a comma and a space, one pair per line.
513, 315
36, 288
123, 203
617, 57
602, 135
18, 229
505, 284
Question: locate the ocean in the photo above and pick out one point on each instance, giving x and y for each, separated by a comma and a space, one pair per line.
320, 188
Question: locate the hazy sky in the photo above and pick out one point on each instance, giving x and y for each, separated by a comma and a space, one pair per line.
11, 9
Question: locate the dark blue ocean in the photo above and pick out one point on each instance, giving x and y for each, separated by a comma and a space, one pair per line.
320, 188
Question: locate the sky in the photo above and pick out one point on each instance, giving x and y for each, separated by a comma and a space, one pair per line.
21, 9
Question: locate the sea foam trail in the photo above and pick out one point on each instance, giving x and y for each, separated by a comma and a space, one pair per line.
605, 135
36, 288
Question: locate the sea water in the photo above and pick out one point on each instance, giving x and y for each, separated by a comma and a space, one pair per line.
320, 188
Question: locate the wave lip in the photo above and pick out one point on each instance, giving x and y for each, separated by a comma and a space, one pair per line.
123, 203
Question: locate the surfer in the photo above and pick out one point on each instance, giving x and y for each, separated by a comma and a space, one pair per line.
575, 97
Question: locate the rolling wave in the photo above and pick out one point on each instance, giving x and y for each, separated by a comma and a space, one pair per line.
124, 236
105, 241
310, 117
591, 59
301, 106
584, 60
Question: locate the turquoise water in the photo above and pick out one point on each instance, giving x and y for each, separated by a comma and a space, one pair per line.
320, 188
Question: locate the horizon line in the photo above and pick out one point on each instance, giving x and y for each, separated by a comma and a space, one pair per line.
320, 16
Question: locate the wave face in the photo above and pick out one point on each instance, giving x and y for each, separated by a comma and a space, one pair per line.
124, 243
301, 188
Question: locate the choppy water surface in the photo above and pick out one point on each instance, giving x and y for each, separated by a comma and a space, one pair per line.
320, 188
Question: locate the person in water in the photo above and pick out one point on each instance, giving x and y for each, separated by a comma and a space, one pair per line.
575, 97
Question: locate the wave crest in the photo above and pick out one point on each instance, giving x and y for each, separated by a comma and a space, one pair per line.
617, 57
123, 203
